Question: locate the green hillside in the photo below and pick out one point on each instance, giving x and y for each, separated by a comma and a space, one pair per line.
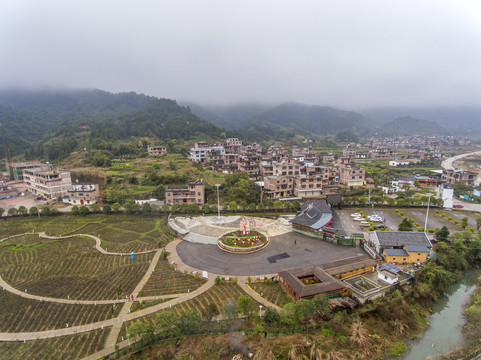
405, 126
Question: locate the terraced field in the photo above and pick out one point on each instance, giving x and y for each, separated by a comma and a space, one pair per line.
272, 292
165, 280
66, 347
18, 314
217, 295
68, 268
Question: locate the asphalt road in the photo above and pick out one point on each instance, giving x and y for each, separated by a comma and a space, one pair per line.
285, 252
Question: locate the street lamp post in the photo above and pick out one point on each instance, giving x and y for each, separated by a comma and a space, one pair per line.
260, 310
218, 205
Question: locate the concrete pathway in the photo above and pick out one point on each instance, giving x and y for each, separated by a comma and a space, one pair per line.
114, 333
106, 323
124, 315
244, 285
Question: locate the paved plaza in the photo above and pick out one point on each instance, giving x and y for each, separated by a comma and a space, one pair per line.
288, 251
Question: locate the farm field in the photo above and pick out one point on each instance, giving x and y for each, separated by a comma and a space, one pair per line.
218, 295
18, 314
66, 347
165, 280
118, 232
272, 292
68, 268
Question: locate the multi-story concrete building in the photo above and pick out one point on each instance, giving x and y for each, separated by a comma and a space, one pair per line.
289, 168
308, 186
156, 150
350, 175
198, 154
250, 165
48, 182
15, 170
451, 176
193, 193
350, 151
277, 187
82, 194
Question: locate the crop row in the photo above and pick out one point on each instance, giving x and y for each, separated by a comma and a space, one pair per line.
65, 347
166, 280
217, 295
71, 267
19, 314
272, 292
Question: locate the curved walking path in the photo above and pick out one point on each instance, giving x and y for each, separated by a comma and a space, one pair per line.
105, 323
124, 315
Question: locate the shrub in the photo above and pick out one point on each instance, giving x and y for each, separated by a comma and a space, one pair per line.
396, 349
437, 211
450, 218
271, 316
218, 280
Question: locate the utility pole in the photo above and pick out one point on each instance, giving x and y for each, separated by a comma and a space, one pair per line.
427, 212
218, 204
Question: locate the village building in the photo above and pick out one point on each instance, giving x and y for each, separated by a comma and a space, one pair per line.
198, 154
452, 176
193, 193
156, 150
249, 164
277, 187
82, 194
409, 254
314, 215
350, 175
15, 170
328, 158
307, 282
382, 240
47, 182
308, 186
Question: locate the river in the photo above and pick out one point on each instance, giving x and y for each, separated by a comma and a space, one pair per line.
446, 321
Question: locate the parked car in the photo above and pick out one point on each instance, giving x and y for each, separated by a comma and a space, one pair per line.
381, 226
457, 206
356, 215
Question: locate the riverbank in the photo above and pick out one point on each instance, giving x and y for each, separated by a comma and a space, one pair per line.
471, 331
446, 323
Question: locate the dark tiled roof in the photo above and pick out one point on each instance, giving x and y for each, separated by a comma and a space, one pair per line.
348, 264
327, 284
314, 214
396, 252
417, 248
325, 273
401, 238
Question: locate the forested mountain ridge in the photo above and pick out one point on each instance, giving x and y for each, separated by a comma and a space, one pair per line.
409, 126
262, 122
161, 121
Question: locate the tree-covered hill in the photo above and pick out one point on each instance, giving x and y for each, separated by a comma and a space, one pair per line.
405, 126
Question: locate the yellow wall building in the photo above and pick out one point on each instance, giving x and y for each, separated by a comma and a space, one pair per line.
409, 254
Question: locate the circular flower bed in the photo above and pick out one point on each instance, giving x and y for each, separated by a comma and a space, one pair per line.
237, 242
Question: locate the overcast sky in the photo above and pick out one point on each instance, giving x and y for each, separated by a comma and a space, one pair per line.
343, 53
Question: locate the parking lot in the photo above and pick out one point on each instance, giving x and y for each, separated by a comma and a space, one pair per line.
347, 220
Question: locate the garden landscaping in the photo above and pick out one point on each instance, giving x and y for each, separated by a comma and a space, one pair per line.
243, 241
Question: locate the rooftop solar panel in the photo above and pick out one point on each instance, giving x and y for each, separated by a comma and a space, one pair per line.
395, 269
387, 266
